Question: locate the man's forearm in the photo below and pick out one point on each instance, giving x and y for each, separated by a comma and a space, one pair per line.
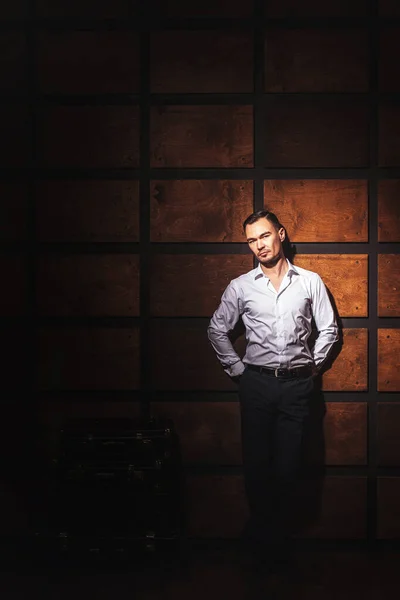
225, 352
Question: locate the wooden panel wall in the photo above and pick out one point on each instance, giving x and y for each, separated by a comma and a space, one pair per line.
136, 138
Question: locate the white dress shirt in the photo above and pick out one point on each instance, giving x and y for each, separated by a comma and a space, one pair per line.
278, 324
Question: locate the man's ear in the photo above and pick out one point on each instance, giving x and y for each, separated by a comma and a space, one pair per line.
282, 234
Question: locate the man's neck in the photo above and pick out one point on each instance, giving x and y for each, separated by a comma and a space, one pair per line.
276, 271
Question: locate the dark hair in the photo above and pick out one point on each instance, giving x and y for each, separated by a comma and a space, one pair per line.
262, 214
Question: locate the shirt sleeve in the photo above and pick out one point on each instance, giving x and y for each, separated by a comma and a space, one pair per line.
222, 323
325, 322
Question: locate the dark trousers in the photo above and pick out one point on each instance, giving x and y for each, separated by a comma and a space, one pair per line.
273, 414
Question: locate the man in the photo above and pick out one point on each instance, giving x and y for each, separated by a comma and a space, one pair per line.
277, 302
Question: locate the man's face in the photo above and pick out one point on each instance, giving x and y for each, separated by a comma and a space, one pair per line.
265, 241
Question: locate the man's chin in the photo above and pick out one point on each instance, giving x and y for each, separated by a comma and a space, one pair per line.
269, 261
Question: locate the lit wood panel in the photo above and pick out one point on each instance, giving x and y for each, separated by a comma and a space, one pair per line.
192, 284
88, 284
345, 432
345, 276
389, 285
349, 371
217, 506
88, 8
315, 8
87, 211
388, 360
199, 210
201, 136
337, 508
209, 432
203, 8
389, 433
14, 147
90, 136
389, 210
316, 60
201, 61
13, 212
190, 362
81, 358
388, 507
314, 210
14, 289
310, 132
389, 133
88, 62
13, 72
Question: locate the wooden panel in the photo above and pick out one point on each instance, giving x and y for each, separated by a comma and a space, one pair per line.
388, 360
91, 136
389, 50
88, 8
315, 8
388, 285
388, 507
345, 431
88, 358
12, 61
95, 285
337, 509
316, 60
85, 62
201, 136
14, 135
389, 433
217, 506
201, 61
203, 8
312, 210
190, 362
310, 132
14, 289
199, 210
13, 212
350, 293
389, 8
16, 359
389, 210
192, 284
389, 133
13, 10
349, 371
87, 211
209, 432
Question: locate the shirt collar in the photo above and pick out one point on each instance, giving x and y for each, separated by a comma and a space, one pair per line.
260, 273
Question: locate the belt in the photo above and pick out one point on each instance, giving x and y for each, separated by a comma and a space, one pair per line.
282, 373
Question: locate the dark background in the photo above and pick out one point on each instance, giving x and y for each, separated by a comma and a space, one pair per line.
135, 138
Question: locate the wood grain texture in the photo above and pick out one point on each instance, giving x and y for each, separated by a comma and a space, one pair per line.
199, 210
389, 210
389, 49
313, 210
389, 434
90, 136
14, 289
388, 508
349, 371
87, 211
388, 360
88, 284
182, 357
340, 511
209, 432
13, 212
81, 358
389, 134
217, 506
315, 8
345, 430
14, 147
201, 136
88, 62
389, 285
13, 73
88, 8
201, 62
345, 276
310, 132
316, 60
192, 284
203, 8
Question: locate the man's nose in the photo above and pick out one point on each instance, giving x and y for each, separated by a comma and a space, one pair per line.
260, 244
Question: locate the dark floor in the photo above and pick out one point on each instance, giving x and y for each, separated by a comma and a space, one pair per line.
210, 571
